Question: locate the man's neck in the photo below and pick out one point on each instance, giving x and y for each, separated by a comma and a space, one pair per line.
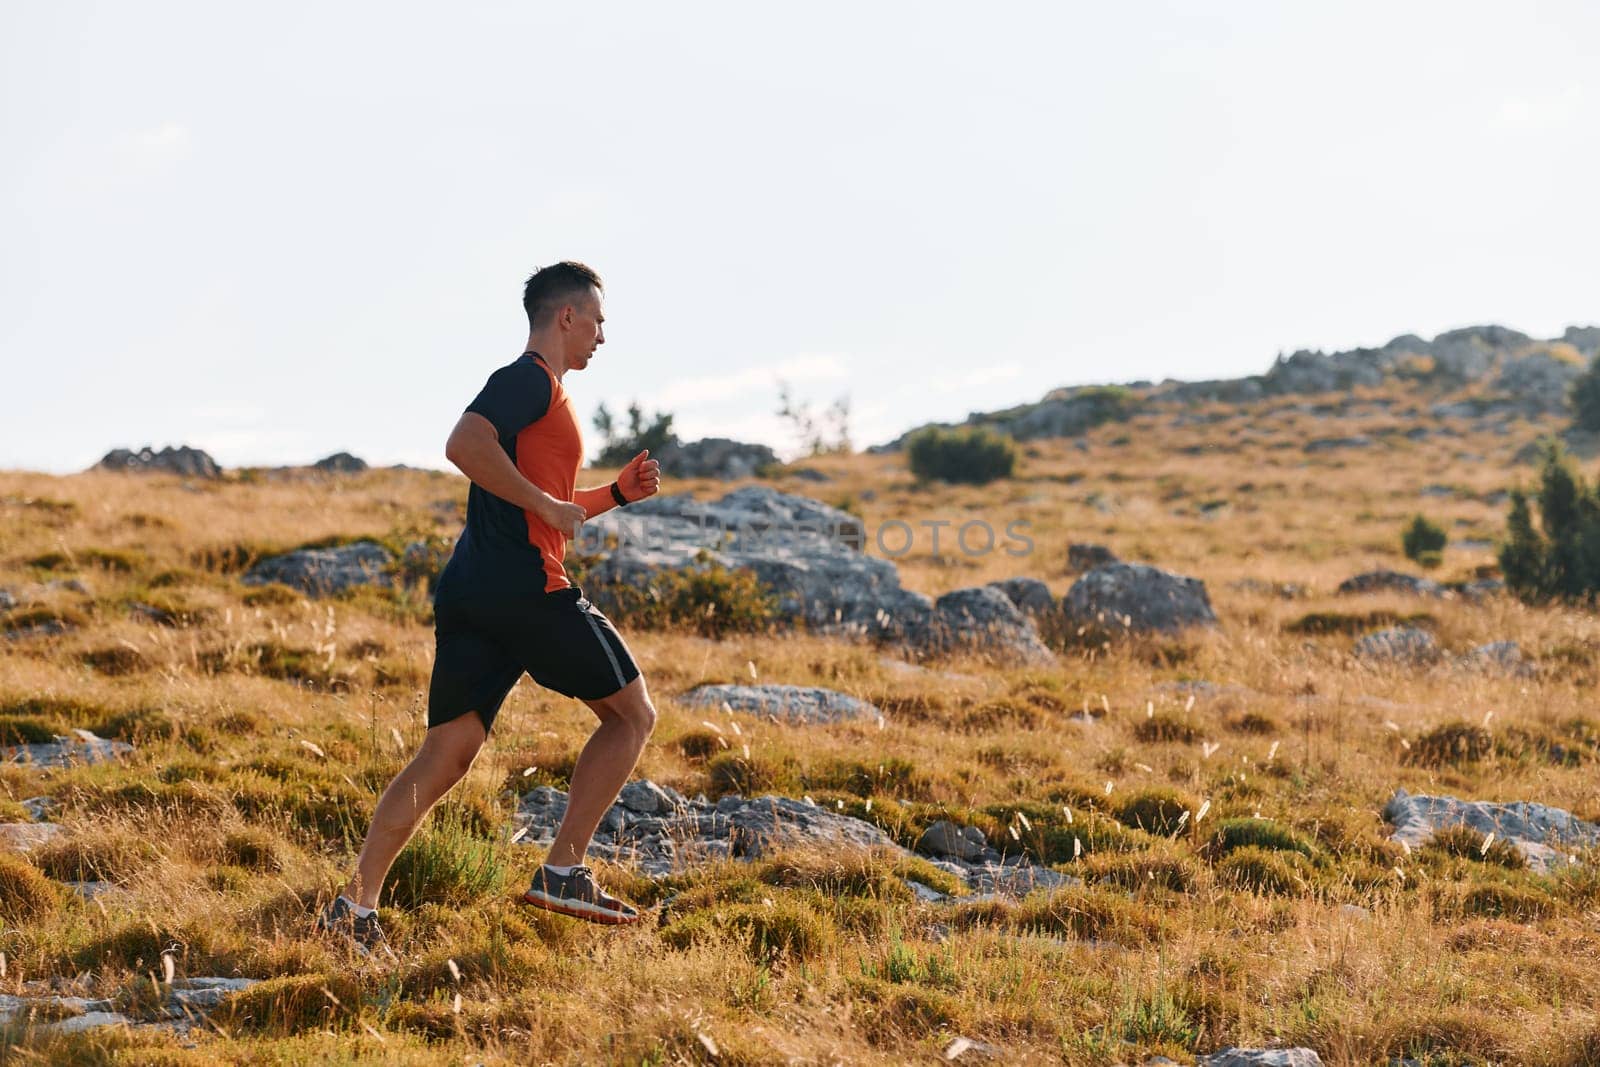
550, 349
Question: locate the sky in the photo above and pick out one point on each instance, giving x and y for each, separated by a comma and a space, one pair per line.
279, 231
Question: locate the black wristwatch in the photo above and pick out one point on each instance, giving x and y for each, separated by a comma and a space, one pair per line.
616, 494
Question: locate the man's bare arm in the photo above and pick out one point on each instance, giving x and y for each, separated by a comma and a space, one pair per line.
474, 447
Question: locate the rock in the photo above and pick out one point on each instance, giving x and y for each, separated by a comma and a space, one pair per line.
1539, 381
807, 474
41, 808
1030, 596
1086, 557
683, 832
1330, 444
1400, 644
802, 704
644, 797
970, 1049
189, 462
85, 747
8, 600
324, 571
808, 555
1535, 829
945, 838
1261, 1057
1284, 590
26, 836
1385, 581
715, 457
978, 619
204, 994
89, 1020
1137, 598
1502, 656
341, 463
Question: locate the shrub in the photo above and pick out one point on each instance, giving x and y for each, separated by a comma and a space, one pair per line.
746, 776
1451, 745
100, 853
1163, 726
291, 1004
618, 446
973, 456
447, 863
1424, 541
785, 928
1262, 871
1140, 870
1559, 558
1585, 398
1156, 811
1262, 834
25, 893
1466, 843
708, 599
254, 849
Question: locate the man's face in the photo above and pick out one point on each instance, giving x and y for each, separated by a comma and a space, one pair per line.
586, 329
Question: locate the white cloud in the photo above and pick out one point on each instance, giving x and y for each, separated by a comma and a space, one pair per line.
1000, 372
1543, 109
698, 392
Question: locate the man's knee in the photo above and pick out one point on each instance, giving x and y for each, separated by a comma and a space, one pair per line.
451, 748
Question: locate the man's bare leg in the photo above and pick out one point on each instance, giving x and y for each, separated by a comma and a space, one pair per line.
443, 760
626, 719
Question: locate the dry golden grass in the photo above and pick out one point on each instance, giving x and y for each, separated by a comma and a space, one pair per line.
266, 724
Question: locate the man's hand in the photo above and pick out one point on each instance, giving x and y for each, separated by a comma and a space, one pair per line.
565, 516
640, 478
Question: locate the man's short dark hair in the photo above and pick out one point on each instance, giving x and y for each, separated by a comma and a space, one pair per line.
551, 288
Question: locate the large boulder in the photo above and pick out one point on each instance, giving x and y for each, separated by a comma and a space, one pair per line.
1539, 381
804, 704
715, 457
189, 462
1137, 598
1544, 835
1261, 1057
1399, 644
1387, 581
1031, 596
341, 463
810, 556
325, 571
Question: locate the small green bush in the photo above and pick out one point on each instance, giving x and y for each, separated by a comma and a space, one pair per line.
1559, 558
25, 893
1263, 834
1156, 811
291, 1004
1585, 398
1466, 843
447, 863
785, 928
1454, 744
972, 456
1424, 541
707, 598
1262, 871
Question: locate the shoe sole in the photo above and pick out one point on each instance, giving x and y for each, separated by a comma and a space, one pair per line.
600, 915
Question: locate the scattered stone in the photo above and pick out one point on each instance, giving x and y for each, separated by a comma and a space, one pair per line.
1261, 587
1354, 912
682, 832
1261, 1057
324, 571
1535, 829
967, 1047
804, 704
947, 840
716, 457
186, 999
85, 747
1385, 581
41, 808
978, 619
1086, 557
189, 462
1502, 656
1138, 598
26, 836
808, 474
1400, 644
1330, 444
341, 463
1031, 596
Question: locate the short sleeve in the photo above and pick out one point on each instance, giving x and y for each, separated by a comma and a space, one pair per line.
514, 396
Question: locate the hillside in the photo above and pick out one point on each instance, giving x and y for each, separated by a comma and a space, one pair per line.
1494, 375
1203, 811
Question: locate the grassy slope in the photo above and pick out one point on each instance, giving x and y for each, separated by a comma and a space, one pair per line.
265, 729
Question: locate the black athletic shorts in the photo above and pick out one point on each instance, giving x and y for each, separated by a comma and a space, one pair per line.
484, 643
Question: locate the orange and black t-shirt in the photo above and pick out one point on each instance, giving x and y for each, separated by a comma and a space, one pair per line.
505, 549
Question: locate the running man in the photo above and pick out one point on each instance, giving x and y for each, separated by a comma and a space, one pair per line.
504, 606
